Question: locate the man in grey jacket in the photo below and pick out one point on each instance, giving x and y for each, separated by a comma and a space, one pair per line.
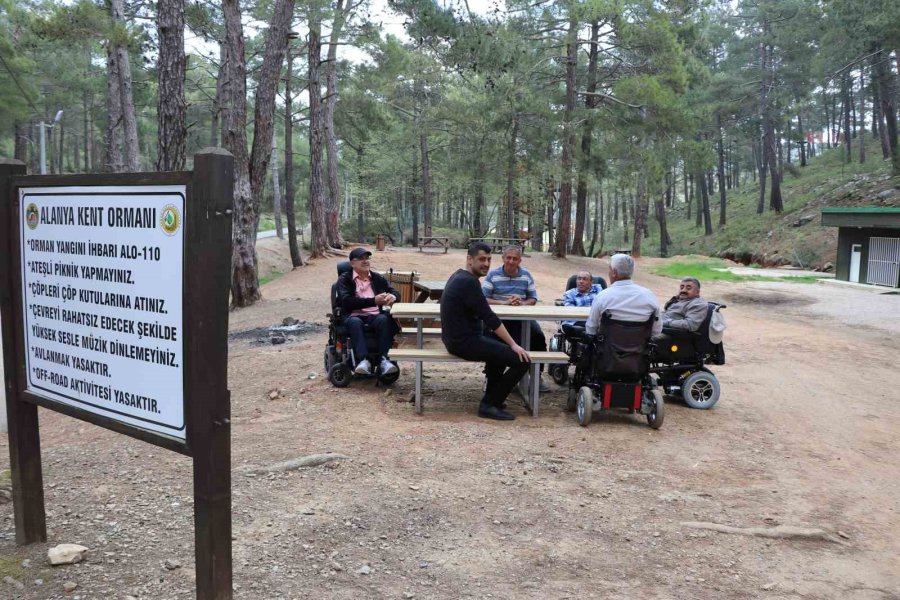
687, 310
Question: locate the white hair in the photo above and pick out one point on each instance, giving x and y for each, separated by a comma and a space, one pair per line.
623, 265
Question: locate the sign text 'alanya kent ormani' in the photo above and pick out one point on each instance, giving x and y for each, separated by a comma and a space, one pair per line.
102, 296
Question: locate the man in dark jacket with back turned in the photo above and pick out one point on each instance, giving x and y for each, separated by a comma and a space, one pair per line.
363, 295
462, 306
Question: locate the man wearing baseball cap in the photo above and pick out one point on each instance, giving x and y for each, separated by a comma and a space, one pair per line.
363, 295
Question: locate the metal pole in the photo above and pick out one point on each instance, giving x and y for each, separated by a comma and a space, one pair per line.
43, 135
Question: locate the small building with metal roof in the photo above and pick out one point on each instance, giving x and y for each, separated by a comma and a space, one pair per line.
868, 244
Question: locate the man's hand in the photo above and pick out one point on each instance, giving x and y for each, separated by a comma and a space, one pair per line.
521, 352
381, 300
389, 299
514, 301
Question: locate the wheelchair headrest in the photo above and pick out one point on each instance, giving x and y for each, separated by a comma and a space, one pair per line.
597, 279
344, 267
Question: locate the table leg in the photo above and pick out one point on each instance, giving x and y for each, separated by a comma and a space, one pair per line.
535, 388
420, 336
422, 297
526, 343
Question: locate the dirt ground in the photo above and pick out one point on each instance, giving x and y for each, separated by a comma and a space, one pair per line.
446, 505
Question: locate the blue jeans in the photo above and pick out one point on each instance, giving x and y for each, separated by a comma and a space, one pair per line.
380, 324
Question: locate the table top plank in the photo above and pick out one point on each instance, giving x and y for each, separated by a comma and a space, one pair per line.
414, 310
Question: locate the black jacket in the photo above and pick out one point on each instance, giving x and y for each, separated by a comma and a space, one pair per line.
351, 302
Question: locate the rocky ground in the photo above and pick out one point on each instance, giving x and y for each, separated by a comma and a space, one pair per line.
788, 488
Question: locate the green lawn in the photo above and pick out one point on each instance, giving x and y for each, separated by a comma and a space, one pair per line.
711, 269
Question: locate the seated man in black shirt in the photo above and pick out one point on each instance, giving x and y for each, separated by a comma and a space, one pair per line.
462, 306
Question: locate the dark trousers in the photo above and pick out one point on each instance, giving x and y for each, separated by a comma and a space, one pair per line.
380, 324
538, 339
502, 366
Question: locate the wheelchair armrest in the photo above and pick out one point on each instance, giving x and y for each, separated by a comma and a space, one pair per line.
558, 303
574, 332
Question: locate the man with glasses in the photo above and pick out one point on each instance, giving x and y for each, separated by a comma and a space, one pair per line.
363, 294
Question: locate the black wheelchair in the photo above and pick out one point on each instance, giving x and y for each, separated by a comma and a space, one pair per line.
612, 371
339, 356
680, 362
559, 342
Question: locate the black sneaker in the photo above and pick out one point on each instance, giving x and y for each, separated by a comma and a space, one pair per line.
489, 411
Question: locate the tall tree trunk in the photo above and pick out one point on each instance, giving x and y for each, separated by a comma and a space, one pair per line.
511, 177
318, 219
129, 118
565, 195
803, 142
663, 228
688, 190
276, 189
862, 117
172, 134
276, 41
845, 114
360, 203
334, 194
478, 227
296, 258
704, 195
769, 141
426, 186
112, 144
721, 170
761, 169
551, 231
888, 109
215, 126
413, 199
244, 282
586, 142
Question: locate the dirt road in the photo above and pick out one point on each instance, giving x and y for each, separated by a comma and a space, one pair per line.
446, 505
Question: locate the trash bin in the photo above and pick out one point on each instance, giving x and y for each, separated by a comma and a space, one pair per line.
379, 242
403, 281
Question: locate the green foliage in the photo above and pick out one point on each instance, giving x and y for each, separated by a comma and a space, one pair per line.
711, 269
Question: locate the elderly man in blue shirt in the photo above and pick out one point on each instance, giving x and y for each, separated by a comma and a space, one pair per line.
513, 285
624, 299
582, 294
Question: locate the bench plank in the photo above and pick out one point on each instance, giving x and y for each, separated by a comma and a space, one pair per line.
425, 331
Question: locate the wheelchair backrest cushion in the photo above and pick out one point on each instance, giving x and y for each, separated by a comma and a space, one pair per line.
623, 348
597, 279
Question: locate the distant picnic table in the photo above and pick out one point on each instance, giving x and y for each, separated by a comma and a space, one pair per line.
497, 244
433, 242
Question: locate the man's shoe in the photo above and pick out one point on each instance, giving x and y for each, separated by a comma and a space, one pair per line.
543, 386
489, 411
363, 368
387, 367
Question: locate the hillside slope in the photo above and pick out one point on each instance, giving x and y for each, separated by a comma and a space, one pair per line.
794, 237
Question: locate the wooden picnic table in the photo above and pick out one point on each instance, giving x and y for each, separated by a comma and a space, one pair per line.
433, 242
421, 311
497, 244
429, 290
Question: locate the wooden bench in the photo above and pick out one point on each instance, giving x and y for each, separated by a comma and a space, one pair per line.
421, 355
432, 331
433, 243
497, 244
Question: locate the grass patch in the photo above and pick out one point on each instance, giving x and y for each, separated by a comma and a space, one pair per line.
269, 278
709, 269
11, 566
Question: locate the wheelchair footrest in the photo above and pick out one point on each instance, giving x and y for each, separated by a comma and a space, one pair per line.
622, 395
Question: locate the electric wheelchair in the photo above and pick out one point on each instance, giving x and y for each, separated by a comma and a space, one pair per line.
680, 361
559, 343
339, 358
612, 371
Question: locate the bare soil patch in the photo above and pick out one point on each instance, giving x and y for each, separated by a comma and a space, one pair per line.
446, 505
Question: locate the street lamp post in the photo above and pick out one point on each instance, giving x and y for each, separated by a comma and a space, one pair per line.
43, 136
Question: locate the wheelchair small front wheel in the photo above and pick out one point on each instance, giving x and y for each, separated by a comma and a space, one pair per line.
584, 406
658, 408
340, 375
559, 374
701, 389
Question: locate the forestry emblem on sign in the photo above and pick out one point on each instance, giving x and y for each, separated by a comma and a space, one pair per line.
170, 219
31, 216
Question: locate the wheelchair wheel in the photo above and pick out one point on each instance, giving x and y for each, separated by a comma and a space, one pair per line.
584, 407
329, 360
701, 389
390, 377
559, 374
572, 400
658, 412
340, 375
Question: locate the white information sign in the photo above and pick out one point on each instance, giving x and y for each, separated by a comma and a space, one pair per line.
102, 295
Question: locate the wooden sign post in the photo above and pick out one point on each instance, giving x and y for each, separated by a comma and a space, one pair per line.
114, 300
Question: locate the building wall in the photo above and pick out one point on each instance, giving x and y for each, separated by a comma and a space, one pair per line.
847, 236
